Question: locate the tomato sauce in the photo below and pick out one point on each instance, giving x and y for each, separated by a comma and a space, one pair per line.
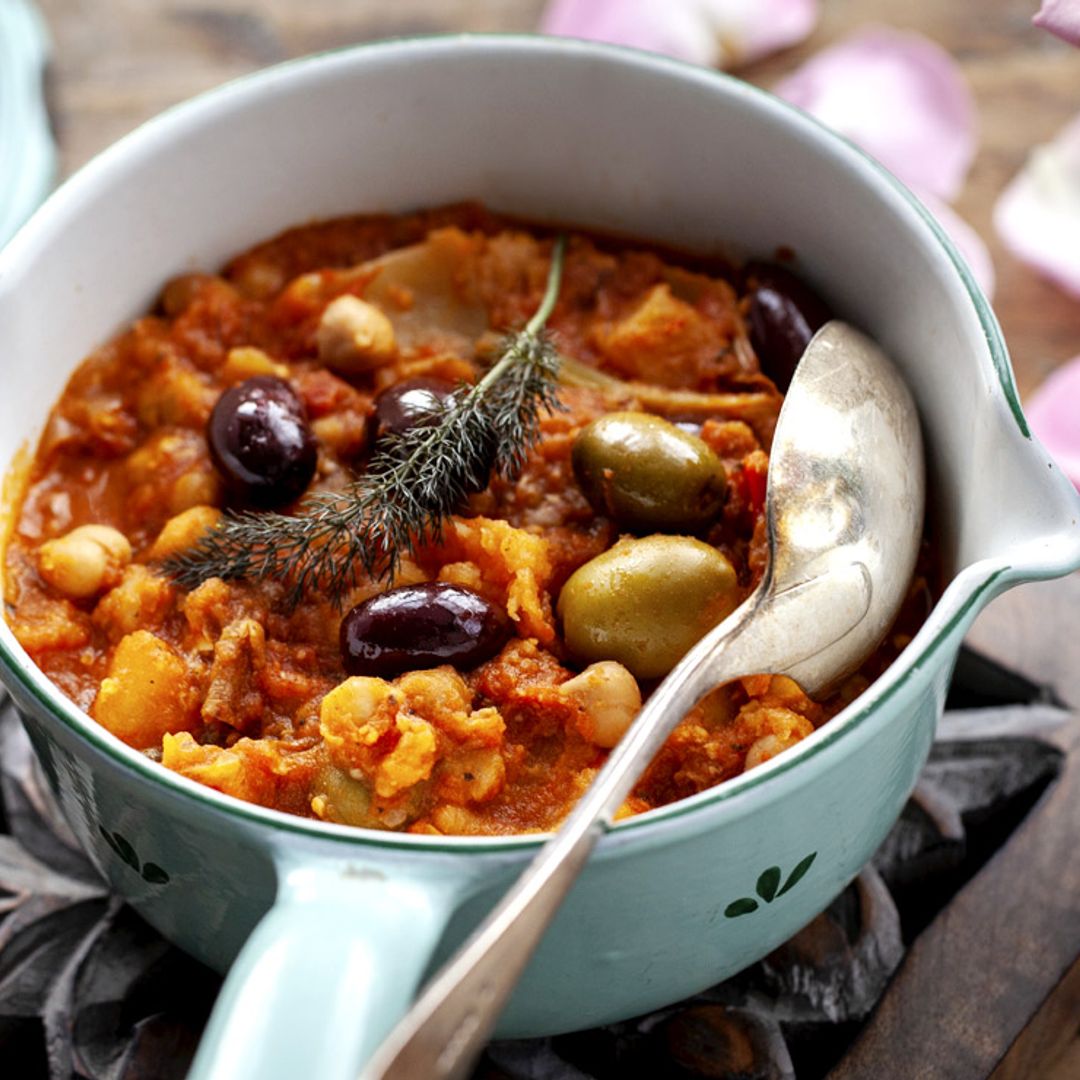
229, 684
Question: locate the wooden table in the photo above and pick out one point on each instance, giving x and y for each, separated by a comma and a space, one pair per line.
955, 1009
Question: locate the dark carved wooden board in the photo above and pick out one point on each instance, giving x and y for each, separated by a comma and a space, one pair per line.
88, 990
992, 989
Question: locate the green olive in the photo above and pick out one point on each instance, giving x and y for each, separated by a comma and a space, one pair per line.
648, 474
348, 800
645, 602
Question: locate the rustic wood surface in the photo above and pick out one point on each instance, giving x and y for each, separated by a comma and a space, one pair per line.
956, 1009
992, 987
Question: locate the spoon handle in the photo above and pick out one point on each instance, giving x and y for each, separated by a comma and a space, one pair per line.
453, 1018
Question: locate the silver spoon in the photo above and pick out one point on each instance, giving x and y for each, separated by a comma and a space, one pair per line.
845, 509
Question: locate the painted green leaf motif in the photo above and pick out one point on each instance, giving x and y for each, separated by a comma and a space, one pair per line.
797, 874
125, 851
743, 906
151, 872
767, 884
154, 874
121, 847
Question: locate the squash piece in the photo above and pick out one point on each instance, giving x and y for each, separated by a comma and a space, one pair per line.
148, 692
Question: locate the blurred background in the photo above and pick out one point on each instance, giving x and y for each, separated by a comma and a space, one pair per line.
117, 62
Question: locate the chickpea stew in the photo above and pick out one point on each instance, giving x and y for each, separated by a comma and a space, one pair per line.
480, 690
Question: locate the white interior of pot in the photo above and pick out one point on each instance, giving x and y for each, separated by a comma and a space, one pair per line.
556, 131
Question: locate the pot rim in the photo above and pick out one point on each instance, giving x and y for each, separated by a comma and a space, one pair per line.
965, 593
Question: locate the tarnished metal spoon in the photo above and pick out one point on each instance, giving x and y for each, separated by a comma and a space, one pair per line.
844, 506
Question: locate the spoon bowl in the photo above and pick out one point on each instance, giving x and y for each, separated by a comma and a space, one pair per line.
844, 504
844, 507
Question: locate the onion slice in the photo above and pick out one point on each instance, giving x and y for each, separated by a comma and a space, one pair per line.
420, 289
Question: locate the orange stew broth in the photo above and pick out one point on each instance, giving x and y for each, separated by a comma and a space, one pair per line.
225, 683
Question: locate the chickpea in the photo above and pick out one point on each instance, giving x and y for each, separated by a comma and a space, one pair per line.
354, 335
85, 561
761, 750
610, 699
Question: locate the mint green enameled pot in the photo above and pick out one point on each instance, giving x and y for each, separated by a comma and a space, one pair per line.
328, 929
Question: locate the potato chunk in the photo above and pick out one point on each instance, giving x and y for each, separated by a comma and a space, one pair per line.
245, 361
140, 601
148, 692
510, 567
665, 340
265, 771
184, 530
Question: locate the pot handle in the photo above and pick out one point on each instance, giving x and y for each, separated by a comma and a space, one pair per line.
1038, 523
323, 977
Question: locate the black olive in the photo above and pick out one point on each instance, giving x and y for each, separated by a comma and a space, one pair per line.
409, 403
261, 443
420, 626
784, 315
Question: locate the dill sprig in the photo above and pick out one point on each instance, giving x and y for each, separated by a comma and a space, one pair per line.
414, 480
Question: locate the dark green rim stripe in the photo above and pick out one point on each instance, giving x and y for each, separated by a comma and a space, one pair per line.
54, 701
50, 699
829, 733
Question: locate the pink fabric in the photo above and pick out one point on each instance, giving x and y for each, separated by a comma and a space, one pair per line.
710, 32
1053, 412
1038, 214
1062, 18
901, 98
